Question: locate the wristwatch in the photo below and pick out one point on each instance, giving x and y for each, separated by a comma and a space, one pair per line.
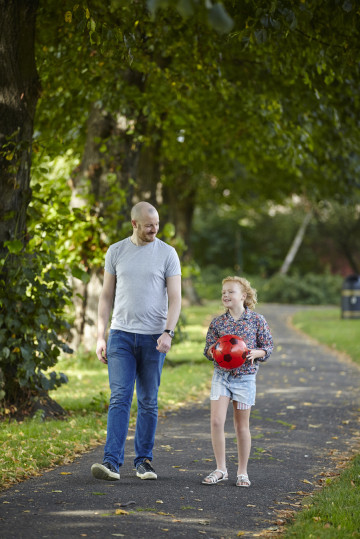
170, 332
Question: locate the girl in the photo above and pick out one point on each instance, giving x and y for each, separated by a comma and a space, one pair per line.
238, 385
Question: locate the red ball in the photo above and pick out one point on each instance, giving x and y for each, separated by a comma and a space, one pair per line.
230, 352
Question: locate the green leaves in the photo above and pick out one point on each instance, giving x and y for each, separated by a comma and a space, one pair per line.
31, 324
14, 246
79, 273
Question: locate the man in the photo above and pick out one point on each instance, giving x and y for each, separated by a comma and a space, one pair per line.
142, 284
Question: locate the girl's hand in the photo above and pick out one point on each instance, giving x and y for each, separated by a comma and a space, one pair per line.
210, 351
254, 354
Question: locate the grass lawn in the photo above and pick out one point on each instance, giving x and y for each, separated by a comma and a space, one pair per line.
327, 327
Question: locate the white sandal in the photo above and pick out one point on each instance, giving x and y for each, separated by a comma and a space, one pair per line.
212, 478
243, 480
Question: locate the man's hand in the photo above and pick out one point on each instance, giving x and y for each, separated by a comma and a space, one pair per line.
101, 350
164, 343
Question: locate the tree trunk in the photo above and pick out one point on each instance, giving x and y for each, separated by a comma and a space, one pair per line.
181, 200
289, 259
19, 94
128, 161
90, 179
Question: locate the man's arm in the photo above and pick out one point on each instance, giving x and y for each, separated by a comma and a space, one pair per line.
106, 301
174, 295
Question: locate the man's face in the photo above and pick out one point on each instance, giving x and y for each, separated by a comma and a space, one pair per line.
146, 228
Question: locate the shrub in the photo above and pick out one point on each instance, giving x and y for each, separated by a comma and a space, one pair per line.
308, 289
33, 297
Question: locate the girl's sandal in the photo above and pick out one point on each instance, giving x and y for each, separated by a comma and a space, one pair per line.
243, 480
212, 478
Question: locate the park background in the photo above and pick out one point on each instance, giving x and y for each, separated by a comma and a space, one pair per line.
238, 120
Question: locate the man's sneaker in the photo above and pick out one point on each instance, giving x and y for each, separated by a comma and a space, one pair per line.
145, 470
105, 471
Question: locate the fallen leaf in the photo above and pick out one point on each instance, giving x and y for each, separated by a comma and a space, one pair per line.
307, 482
159, 501
121, 512
65, 473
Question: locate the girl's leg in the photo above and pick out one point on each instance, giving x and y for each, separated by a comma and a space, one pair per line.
243, 436
218, 416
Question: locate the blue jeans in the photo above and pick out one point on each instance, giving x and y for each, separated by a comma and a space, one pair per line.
132, 357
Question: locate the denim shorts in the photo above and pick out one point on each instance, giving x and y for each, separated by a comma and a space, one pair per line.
241, 388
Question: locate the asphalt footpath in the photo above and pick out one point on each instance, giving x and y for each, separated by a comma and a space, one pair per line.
305, 421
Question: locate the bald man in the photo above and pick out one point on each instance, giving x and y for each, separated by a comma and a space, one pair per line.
142, 288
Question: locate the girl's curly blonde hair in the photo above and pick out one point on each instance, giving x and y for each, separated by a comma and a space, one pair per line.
251, 294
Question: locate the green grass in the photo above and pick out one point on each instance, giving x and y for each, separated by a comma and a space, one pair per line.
327, 327
334, 511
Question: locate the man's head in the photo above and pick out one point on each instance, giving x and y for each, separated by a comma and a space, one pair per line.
145, 223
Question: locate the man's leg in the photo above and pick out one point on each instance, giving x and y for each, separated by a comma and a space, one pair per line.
149, 366
122, 372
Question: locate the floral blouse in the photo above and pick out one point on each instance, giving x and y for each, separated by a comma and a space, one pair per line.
252, 327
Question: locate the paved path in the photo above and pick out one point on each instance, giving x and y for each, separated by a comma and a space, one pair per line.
306, 413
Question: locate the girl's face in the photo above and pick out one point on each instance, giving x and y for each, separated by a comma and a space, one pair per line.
233, 295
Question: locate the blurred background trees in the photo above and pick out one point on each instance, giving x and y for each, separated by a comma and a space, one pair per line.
235, 119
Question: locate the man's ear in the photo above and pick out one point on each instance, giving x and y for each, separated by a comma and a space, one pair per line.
133, 222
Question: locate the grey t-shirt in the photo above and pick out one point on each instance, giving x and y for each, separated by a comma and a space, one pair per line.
141, 300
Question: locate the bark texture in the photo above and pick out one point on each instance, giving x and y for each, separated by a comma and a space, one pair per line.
19, 92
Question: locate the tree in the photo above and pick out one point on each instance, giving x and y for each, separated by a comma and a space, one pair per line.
30, 306
20, 89
243, 115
